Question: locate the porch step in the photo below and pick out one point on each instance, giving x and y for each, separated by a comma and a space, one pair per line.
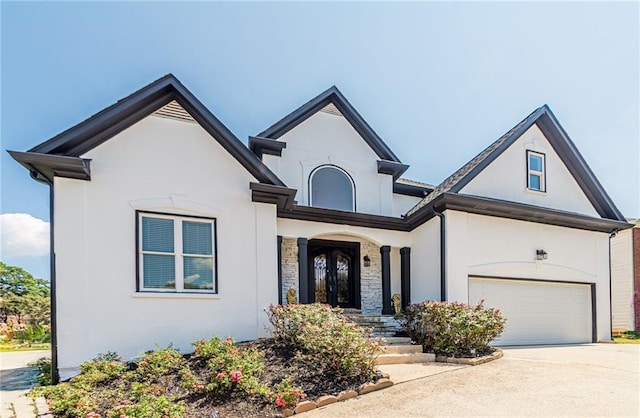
402, 349
406, 358
381, 325
396, 340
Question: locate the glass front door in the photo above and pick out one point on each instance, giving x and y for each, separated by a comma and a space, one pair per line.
333, 275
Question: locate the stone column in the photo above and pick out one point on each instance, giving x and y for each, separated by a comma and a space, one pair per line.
303, 271
405, 276
385, 251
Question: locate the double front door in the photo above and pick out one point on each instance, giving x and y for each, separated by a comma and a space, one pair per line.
334, 273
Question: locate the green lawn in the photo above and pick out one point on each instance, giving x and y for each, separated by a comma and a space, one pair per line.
626, 340
24, 347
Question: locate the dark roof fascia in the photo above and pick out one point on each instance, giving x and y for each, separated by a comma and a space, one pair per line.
104, 125
260, 146
392, 168
281, 196
578, 167
513, 210
54, 165
307, 213
411, 190
332, 95
498, 151
568, 152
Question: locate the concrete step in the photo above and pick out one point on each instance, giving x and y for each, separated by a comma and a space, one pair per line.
402, 349
407, 358
397, 340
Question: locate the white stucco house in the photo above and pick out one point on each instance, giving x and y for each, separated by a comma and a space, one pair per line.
167, 228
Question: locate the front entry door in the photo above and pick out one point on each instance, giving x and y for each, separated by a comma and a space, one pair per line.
334, 273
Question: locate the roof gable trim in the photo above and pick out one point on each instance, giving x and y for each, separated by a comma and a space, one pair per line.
334, 96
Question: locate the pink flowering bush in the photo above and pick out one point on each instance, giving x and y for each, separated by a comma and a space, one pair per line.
286, 395
232, 370
325, 335
453, 328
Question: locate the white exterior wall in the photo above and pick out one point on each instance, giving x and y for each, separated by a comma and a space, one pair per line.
402, 204
172, 167
330, 139
622, 281
488, 246
506, 178
425, 262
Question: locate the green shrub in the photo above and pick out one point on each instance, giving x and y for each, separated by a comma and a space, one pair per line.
327, 336
287, 395
148, 406
156, 364
44, 371
33, 334
67, 400
453, 328
96, 372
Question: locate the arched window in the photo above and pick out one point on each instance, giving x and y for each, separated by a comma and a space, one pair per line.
331, 188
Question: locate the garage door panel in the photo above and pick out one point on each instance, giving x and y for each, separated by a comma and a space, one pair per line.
537, 312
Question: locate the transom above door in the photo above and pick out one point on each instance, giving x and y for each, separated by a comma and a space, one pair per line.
334, 273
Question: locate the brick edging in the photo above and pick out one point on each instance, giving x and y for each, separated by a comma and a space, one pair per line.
42, 408
470, 361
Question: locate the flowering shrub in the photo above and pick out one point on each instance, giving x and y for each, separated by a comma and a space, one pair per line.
286, 395
326, 335
232, 370
159, 363
453, 328
67, 400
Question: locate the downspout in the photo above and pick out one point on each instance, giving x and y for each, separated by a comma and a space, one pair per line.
55, 376
611, 236
443, 255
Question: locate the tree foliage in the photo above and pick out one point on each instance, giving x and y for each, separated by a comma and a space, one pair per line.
23, 296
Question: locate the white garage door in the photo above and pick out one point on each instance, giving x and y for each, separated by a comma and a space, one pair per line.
537, 312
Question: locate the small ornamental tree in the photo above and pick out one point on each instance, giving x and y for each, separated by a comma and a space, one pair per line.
453, 328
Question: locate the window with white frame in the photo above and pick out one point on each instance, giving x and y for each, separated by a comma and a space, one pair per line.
331, 188
536, 171
176, 253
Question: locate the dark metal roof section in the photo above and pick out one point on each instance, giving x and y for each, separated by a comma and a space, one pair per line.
562, 145
281, 196
114, 119
260, 146
331, 95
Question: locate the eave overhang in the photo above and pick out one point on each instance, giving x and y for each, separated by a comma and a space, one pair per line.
392, 168
50, 166
261, 146
512, 210
411, 190
269, 193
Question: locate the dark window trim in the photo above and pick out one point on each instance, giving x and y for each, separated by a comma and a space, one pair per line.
214, 222
543, 178
320, 167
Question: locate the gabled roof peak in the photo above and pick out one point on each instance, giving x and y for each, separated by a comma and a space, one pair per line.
546, 121
332, 95
107, 123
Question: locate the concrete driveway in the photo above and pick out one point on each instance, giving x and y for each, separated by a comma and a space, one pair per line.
578, 380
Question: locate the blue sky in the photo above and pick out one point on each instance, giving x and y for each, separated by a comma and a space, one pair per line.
437, 81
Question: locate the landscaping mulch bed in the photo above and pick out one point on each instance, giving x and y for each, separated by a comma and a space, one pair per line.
280, 362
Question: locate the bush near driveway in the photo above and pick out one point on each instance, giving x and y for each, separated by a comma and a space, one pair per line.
325, 335
452, 328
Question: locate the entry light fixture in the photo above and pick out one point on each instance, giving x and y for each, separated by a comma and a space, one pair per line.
367, 261
541, 254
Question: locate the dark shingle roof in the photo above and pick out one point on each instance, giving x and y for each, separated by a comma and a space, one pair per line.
453, 182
